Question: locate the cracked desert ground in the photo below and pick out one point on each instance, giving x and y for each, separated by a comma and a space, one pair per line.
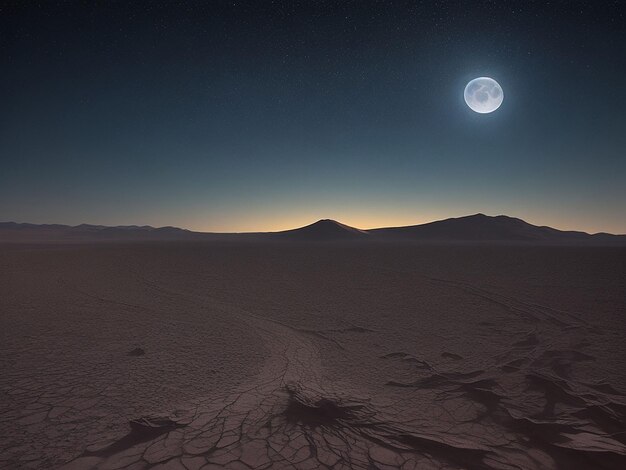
312, 356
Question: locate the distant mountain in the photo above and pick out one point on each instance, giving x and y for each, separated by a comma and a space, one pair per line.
11, 231
478, 228
323, 230
483, 228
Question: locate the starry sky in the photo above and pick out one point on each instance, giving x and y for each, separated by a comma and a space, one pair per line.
258, 115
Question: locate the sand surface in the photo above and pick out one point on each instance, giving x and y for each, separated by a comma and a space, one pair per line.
328, 355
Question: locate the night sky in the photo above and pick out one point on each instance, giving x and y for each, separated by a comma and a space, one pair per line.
237, 116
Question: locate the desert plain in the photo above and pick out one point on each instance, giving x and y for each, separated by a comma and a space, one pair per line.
333, 355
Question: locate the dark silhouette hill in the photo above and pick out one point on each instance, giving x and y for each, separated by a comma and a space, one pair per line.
323, 230
478, 228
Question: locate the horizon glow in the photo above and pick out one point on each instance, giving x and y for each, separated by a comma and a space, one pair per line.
228, 121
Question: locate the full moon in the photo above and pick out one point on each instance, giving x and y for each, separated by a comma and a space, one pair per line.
483, 95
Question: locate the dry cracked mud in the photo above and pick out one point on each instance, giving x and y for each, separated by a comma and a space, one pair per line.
312, 357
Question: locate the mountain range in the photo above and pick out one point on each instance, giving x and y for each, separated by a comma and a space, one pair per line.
473, 228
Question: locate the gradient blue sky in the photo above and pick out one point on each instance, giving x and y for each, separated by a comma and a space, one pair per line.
238, 116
